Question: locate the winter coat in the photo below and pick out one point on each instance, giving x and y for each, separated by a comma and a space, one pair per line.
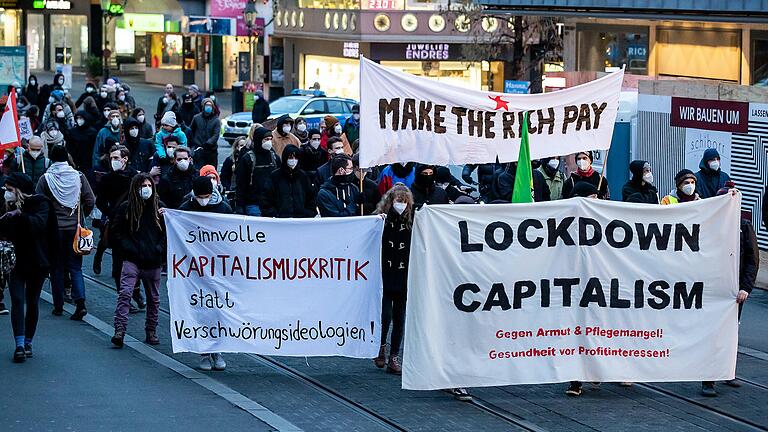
503, 186
252, 174
485, 175
593, 178
636, 190
554, 181
81, 141
708, 182
396, 173
105, 139
227, 174
674, 198
351, 129
260, 111
113, 190
222, 207
187, 113
395, 251
66, 217
280, 141
30, 233
206, 129
371, 195
174, 185
749, 254
290, 193
310, 159
145, 246
338, 199
428, 195
34, 168
161, 135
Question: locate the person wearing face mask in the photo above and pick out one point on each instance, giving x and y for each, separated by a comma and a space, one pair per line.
260, 112
111, 132
146, 130
35, 162
90, 90
397, 204
138, 232
550, 168
52, 136
640, 188
254, 166
22, 106
33, 113
710, 178
585, 173
324, 172
54, 103
289, 192
424, 190
206, 129
59, 115
67, 190
338, 196
228, 180
92, 108
396, 173
177, 182
504, 183
168, 127
58, 82
370, 191
80, 140
282, 136
352, 126
188, 110
32, 91
28, 224
141, 149
123, 105
685, 189
166, 102
312, 155
300, 130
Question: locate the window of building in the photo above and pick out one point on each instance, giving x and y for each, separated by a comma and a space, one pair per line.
330, 4
699, 53
10, 27
760, 59
427, 4
602, 48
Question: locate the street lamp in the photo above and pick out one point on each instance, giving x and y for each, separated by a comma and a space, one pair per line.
109, 10
250, 14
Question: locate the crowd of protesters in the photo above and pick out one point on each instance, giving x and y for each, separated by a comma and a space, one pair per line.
102, 152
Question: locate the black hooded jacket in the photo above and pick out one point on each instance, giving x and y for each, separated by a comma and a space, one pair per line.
260, 110
290, 193
424, 191
32, 92
254, 167
503, 185
113, 189
145, 246
80, 141
30, 233
141, 149
338, 198
636, 190
395, 252
187, 113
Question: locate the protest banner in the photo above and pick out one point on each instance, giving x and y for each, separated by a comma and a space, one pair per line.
25, 128
579, 289
291, 287
405, 118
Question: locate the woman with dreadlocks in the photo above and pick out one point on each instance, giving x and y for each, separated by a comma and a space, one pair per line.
138, 231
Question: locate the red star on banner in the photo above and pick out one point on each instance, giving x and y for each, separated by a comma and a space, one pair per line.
500, 103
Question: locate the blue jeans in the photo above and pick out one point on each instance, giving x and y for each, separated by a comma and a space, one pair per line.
252, 210
67, 261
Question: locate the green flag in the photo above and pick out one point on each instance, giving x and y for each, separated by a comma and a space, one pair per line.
523, 189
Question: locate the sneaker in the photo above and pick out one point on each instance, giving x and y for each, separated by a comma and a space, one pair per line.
151, 338
18, 355
218, 362
574, 389
733, 383
381, 360
3, 309
58, 311
460, 394
80, 311
393, 366
625, 384
708, 389
117, 339
28, 350
205, 362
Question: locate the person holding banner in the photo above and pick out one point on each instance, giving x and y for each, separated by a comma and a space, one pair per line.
710, 178
424, 190
289, 192
685, 190
338, 197
397, 204
585, 173
138, 231
27, 224
553, 177
640, 188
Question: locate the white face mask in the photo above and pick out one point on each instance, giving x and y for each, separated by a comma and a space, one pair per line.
267, 145
32, 82
339, 151
140, 118
133, 132
121, 97
356, 116
286, 129
80, 122
115, 121
51, 100
648, 177
301, 127
9, 196
315, 144
61, 81
106, 114
53, 133
292, 163
103, 94
583, 164
337, 128
183, 165
714, 165
399, 207
554, 163
34, 153
117, 165
165, 100
202, 201
689, 188
145, 192
60, 114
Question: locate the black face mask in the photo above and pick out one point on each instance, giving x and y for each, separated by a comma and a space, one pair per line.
427, 181
343, 178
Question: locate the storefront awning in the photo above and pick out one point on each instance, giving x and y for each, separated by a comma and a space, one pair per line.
169, 8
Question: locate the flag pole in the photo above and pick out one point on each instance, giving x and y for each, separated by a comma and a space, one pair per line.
21, 156
602, 172
362, 178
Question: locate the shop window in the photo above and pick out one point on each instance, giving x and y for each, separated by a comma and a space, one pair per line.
171, 50
35, 41
315, 107
336, 76
601, 49
760, 62
699, 53
330, 4
426, 4
124, 41
10, 27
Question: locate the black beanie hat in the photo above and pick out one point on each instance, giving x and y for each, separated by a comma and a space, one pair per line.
682, 175
202, 186
588, 153
59, 154
21, 181
584, 189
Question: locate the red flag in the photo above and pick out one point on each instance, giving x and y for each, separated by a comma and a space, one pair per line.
9, 124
